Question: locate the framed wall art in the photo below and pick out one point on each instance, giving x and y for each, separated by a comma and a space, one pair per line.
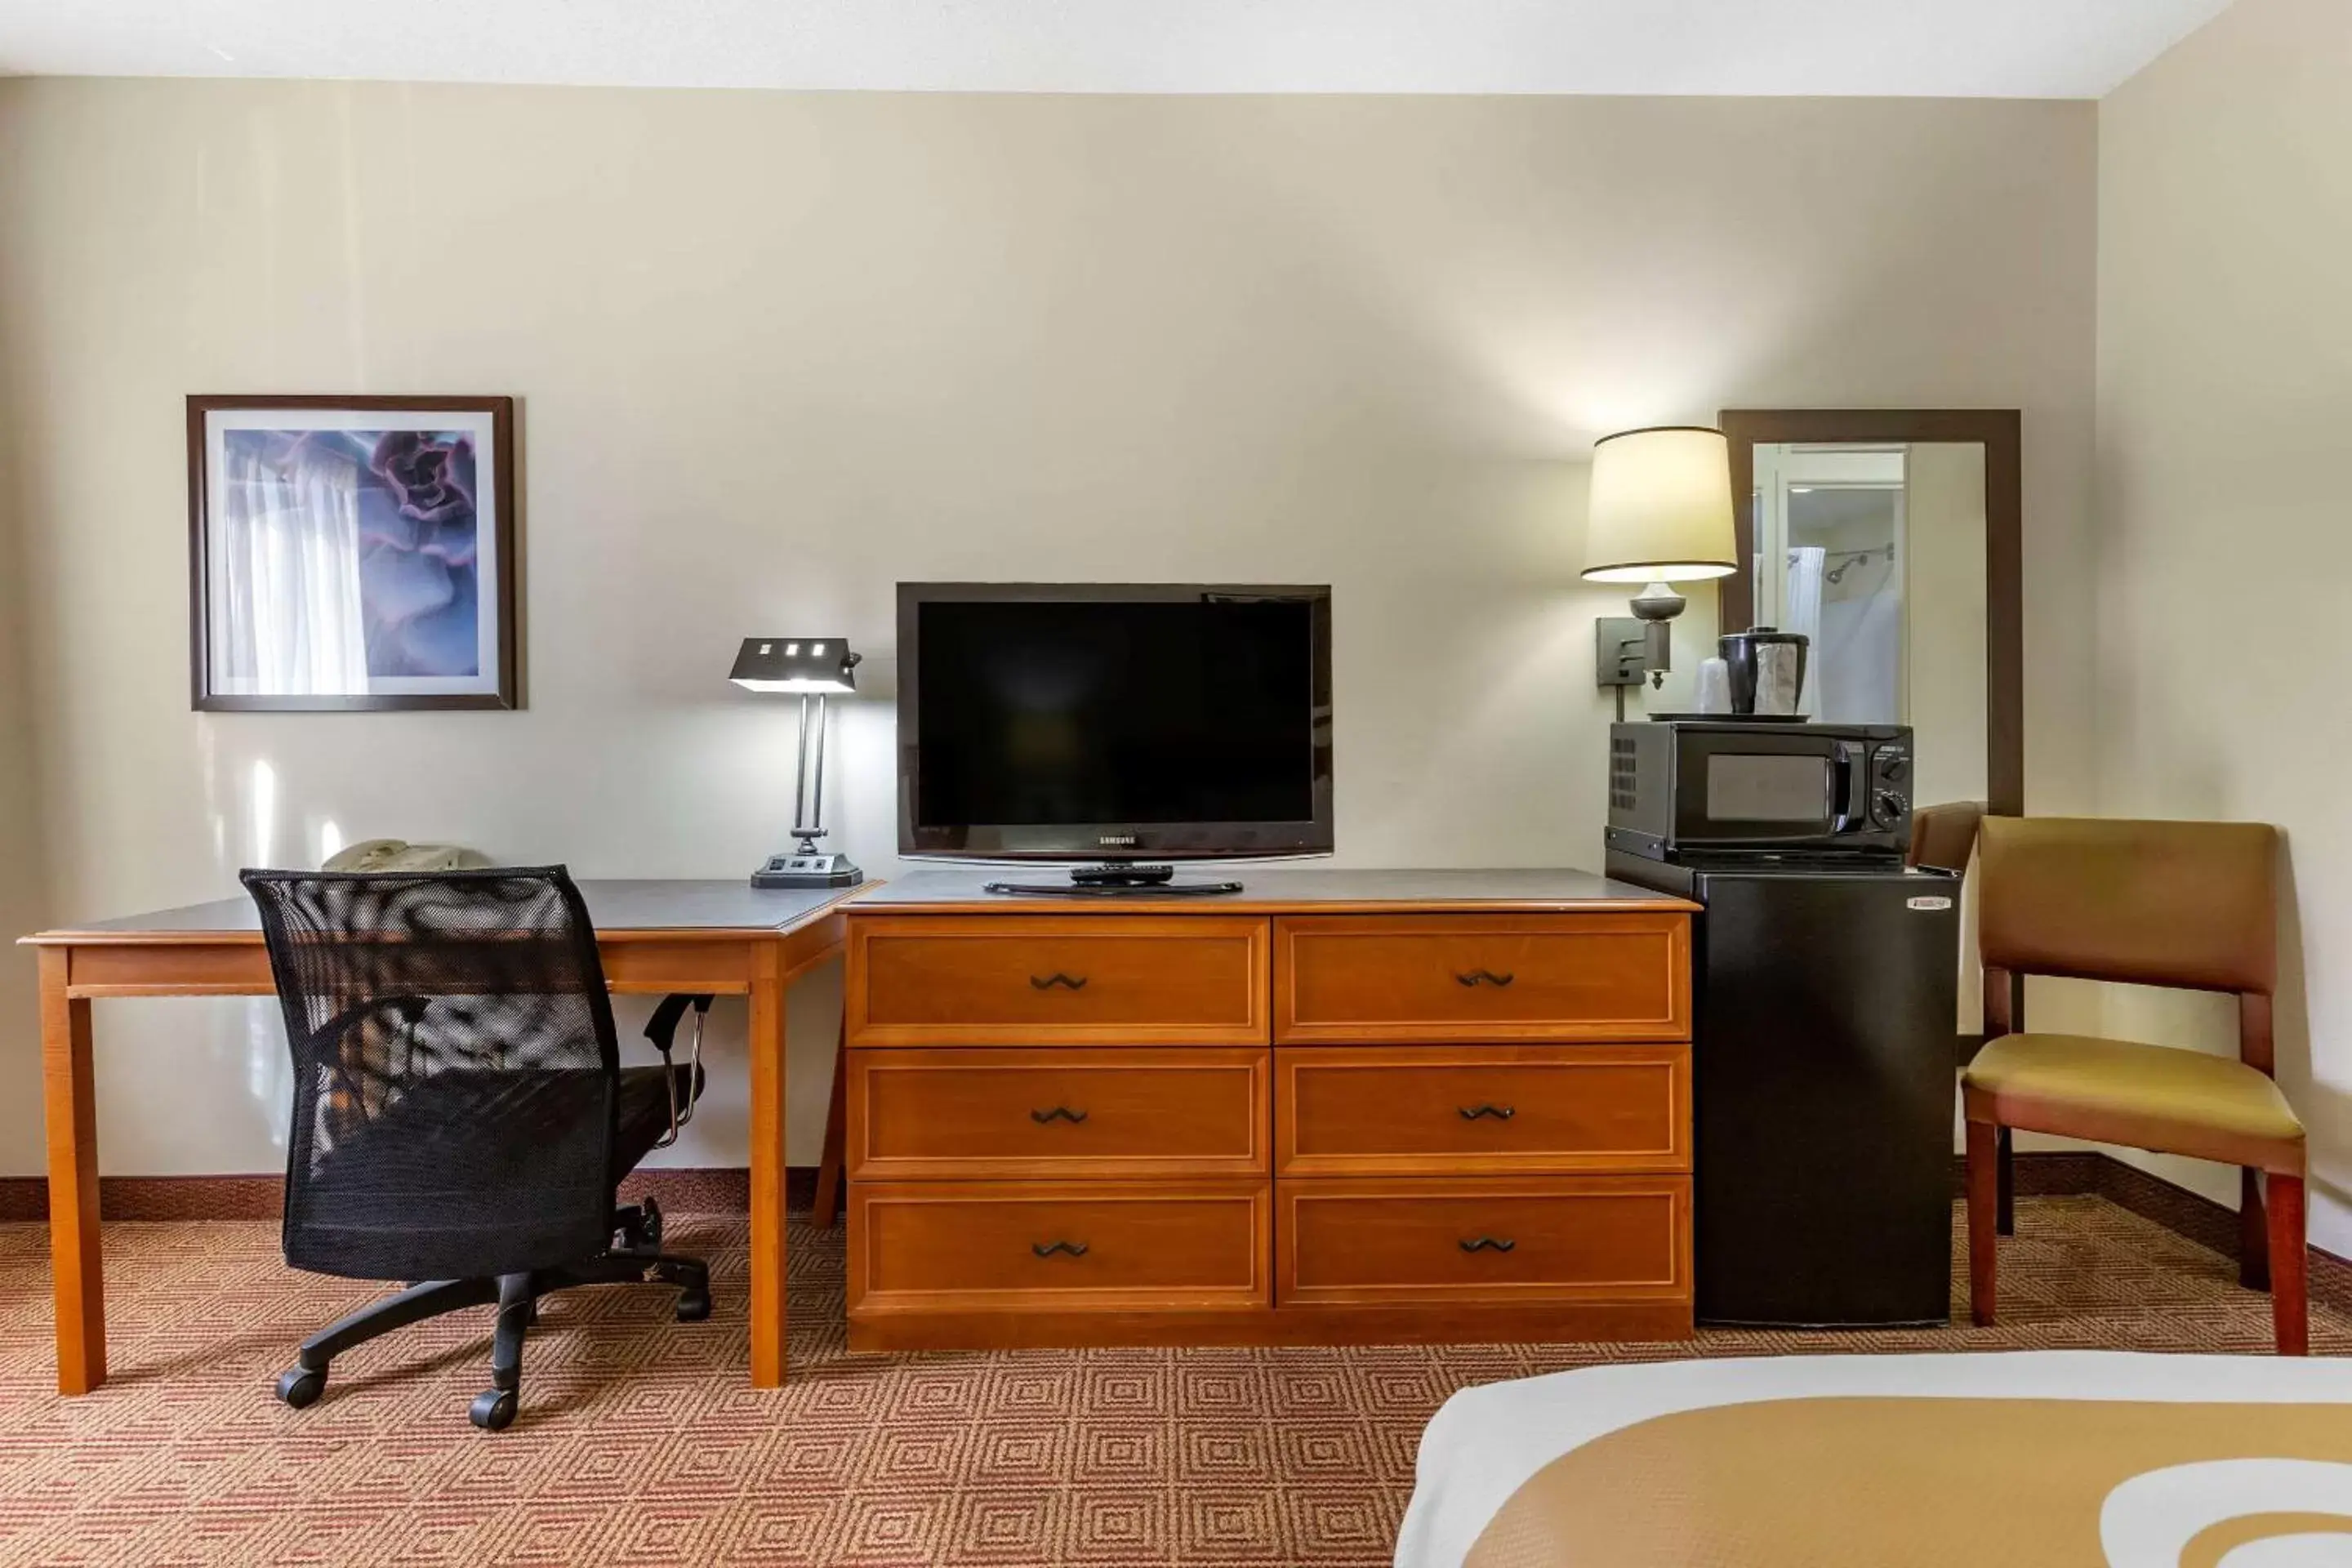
351, 552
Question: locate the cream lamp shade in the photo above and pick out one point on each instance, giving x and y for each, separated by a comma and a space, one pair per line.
1661, 507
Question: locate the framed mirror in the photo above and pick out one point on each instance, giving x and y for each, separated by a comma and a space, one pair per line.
1892, 538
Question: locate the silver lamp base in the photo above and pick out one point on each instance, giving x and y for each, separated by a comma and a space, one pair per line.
806, 871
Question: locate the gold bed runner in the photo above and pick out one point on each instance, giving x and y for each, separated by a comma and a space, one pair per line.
1898, 1483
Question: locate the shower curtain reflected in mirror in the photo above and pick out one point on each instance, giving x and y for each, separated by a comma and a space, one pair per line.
1800, 612
1859, 643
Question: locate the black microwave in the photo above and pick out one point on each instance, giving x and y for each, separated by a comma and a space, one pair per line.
1686, 790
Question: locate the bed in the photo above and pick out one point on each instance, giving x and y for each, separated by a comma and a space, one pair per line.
2085, 1459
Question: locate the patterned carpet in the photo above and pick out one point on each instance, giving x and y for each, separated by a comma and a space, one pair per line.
640, 1442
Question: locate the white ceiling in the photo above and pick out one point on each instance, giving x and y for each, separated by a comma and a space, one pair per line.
2005, 49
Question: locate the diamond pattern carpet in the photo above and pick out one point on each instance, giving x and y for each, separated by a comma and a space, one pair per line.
640, 1442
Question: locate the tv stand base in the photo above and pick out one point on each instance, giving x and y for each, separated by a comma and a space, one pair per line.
1114, 880
1114, 889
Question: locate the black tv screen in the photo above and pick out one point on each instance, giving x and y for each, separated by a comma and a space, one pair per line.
1114, 722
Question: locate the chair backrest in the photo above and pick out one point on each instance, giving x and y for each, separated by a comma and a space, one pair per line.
1944, 836
456, 1070
2187, 904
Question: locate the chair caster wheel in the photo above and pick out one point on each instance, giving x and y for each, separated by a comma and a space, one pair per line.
493, 1409
298, 1386
693, 1306
650, 1231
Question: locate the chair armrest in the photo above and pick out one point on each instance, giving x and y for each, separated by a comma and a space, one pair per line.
662, 1030
663, 1027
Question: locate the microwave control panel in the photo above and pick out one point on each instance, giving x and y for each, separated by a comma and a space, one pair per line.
1890, 784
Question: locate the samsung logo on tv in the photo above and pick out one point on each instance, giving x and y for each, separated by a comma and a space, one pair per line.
1116, 838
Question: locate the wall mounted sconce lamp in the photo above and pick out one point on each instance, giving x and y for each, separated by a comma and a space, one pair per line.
1660, 514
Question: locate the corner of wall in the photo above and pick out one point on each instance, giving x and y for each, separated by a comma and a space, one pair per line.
23, 871
2221, 344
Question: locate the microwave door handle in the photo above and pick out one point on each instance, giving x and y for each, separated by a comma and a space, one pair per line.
1846, 779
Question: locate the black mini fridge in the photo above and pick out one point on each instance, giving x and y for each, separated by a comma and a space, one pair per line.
1823, 1054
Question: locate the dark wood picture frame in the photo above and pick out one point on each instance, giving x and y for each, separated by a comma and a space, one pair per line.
504, 532
2000, 432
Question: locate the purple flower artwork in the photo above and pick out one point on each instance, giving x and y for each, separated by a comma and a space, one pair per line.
348, 557
413, 499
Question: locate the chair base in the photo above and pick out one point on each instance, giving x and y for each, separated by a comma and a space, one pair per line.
637, 1260
2273, 1250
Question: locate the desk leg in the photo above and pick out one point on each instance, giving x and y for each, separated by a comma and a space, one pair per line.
70, 1104
826, 1212
766, 1045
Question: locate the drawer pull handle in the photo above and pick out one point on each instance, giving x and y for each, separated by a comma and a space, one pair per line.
1059, 1113
1047, 1248
1499, 1112
1484, 977
1047, 982
1488, 1243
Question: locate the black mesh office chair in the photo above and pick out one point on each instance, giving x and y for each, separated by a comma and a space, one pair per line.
461, 1117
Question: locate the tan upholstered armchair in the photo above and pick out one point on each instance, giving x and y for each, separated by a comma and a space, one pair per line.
2185, 904
1944, 836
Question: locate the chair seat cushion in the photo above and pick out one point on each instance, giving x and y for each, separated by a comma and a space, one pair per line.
2150, 1096
450, 1179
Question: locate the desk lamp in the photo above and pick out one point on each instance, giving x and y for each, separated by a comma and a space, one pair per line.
812, 667
1660, 513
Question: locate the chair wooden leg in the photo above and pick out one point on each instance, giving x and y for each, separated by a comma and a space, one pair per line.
2007, 1207
2253, 1234
1984, 1204
2289, 1308
826, 1210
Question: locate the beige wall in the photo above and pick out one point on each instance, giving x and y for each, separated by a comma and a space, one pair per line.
1944, 621
776, 352
1944, 616
2225, 547
20, 841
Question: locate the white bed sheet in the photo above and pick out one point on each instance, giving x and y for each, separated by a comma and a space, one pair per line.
1485, 1443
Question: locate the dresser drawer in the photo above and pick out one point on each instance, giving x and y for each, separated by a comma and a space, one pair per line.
1465, 1109
1482, 1239
919, 980
1434, 978
1009, 1113
1012, 1246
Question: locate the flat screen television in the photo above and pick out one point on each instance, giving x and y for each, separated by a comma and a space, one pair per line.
1114, 722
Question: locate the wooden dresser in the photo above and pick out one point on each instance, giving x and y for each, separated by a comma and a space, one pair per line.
1339, 1106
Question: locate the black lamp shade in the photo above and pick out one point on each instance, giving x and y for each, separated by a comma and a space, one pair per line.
795, 664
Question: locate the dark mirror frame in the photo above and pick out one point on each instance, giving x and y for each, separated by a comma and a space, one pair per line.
1998, 431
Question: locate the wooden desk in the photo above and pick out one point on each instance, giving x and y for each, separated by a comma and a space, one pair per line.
654, 937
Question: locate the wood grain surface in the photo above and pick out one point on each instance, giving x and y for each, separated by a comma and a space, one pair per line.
922, 980
1011, 1246
1013, 1114
1477, 977
1466, 1109
1436, 1240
